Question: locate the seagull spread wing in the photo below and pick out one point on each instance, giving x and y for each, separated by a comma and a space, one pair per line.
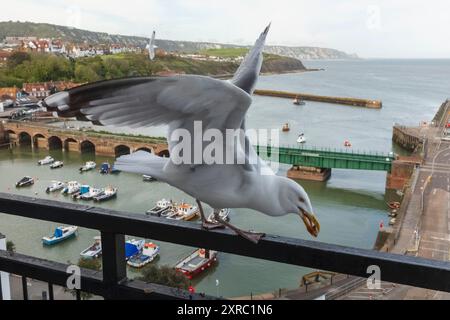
145, 101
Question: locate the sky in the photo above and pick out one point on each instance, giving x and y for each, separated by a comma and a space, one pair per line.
371, 29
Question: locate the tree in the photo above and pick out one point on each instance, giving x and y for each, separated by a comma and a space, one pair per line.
164, 275
17, 58
10, 246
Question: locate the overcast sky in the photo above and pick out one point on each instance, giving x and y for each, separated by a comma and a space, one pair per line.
377, 28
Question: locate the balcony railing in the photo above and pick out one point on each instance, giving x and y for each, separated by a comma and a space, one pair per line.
112, 283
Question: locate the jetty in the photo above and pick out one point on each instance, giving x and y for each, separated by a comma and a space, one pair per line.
356, 102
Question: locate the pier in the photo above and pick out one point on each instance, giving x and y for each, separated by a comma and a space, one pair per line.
356, 102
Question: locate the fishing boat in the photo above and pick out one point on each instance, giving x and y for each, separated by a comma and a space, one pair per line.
196, 262
91, 194
147, 178
162, 206
60, 234
90, 165
133, 247
71, 188
55, 186
298, 102
286, 127
25, 182
224, 214
56, 165
107, 194
149, 252
105, 168
394, 205
46, 160
184, 211
94, 251
301, 138
84, 189
392, 221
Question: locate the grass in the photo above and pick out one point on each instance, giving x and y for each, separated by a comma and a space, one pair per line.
226, 52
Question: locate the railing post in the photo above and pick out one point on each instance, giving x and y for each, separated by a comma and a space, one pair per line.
113, 258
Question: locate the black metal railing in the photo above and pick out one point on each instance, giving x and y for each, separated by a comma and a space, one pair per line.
112, 283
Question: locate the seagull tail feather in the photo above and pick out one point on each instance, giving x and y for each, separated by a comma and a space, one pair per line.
143, 163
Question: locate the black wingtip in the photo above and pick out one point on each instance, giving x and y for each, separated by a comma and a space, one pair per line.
266, 30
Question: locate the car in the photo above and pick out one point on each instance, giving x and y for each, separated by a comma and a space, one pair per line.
447, 125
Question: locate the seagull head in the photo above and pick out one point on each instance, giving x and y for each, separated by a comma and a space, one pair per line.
294, 199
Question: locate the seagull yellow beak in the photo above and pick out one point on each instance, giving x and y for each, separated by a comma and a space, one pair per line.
311, 223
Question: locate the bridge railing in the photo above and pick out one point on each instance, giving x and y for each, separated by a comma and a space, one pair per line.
112, 282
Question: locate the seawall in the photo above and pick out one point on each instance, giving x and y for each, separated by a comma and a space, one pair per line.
356, 102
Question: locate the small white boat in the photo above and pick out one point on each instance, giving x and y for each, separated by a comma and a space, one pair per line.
93, 192
94, 251
55, 186
224, 214
392, 221
147, 178
107, 194
90, 165
56, 165
71, 187
184, 211
25, 182
301, 138
298, 102
60, 234
161, 207
46, 160
149, 252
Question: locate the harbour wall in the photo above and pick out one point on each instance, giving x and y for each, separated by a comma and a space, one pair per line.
366, 103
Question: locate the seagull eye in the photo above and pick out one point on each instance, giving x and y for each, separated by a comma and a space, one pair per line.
302, 200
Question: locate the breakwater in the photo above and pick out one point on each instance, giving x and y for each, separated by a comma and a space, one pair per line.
356, 102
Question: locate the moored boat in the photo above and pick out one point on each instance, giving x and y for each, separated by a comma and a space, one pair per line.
90, 165
107, 194
46, 160
56, 165
224, 214
184, 211
149, 252
71, 188
298, 102
25, 182
55, 186
84, 189
147, 178
61, 233
94, 251
196, 262
105, 168
301, 138
133, 247
286, 127
91, 194
161, 207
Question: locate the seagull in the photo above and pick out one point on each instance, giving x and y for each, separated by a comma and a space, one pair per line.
180, 102
151, 46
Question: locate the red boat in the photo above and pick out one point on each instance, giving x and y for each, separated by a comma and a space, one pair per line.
196, 262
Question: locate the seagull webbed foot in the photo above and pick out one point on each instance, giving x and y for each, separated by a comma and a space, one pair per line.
249, 235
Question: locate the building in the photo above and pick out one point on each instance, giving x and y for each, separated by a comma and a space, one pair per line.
11, 93
38, 90
19, 40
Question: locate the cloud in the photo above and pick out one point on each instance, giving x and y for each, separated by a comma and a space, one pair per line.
371, 28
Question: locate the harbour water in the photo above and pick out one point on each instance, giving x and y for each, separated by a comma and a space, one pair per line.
350, 206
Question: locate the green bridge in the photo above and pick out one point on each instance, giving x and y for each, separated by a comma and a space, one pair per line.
327, 158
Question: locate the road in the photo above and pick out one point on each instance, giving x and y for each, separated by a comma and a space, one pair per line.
425, 232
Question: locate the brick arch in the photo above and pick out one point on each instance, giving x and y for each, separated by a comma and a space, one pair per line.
121, 149
36, 136
146, 149
67, 142
87, 146
164, 153
24, 138
55, 143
